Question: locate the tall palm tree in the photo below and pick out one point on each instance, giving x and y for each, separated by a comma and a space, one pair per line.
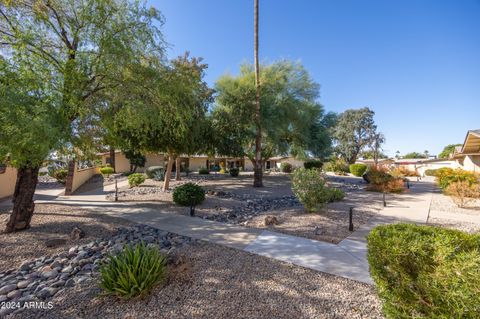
258, 172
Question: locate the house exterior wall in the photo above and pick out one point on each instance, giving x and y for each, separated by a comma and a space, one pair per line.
194, 163
122, 164
421, 168
81, 176
472, 163
7, 182
293, 161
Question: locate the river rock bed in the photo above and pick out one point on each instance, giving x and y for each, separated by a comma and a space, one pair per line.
42, 278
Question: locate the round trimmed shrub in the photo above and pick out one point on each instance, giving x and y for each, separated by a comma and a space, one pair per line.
155, 172
430, 172
358, 169
188, 194
133, 272
203, 171
286, 167
425, 271
234, 171
107, 171
136, 179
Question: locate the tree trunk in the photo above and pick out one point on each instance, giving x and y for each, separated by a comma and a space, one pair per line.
168, 172
112, 158
23, 205
177, 168
258, 171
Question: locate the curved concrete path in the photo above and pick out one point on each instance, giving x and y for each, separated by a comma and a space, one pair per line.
347, 259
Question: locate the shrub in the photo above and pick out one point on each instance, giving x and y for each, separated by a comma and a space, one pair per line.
286, 167
446, 176
430, 172
403, 172
42, 173
188, 194
425, 271
310, 164
155, 172
379, 180
338, 166
60, 174
234, 171
203, 171
136, 179
311, 190
358, 169
107, 171
335, 195
462, 192
133, 272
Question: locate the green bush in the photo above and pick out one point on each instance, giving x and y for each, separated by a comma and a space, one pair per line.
135, 179
188, 194
203, 171
42, 173
338, 166
107, 171
286, 167
358, 169
310, 164
430, 172
311, 190
425, 271
155, 172
335, 195
133, 272
446, 176
234, 171
60, 175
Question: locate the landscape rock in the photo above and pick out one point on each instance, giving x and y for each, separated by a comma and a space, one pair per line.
271, 220
6, 289
77, 234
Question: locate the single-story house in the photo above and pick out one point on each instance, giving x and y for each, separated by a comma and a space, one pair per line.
8, 179
380, 161
467, 156
122, 164
420, 165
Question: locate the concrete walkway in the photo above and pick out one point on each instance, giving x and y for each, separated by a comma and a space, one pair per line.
347, 259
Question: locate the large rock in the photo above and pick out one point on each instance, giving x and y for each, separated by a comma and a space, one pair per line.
271, 220
6, 289
77, 234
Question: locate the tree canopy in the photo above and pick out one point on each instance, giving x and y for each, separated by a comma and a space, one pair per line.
292, 121
354, 131
447, 150
414, 155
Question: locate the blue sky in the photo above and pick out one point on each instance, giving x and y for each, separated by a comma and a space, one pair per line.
415, 63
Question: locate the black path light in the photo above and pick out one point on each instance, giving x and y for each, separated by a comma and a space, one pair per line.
384, 201
350, 219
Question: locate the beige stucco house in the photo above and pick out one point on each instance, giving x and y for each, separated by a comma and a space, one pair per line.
467, 157
8, 178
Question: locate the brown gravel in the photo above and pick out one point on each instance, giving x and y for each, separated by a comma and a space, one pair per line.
220, 282
52, 221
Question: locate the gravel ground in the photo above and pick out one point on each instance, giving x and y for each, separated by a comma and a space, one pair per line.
443, 203
49, 222
235, 201
219, 282
453, 224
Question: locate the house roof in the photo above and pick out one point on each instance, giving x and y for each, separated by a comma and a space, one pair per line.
471, 143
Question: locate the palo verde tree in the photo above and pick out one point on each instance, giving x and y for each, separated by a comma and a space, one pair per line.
292, 121
447, 150
83, 45
354, 131
167, 113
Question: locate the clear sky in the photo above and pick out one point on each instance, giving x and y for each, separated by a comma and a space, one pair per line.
416, 63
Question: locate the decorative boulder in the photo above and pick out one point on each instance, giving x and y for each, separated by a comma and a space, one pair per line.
271, 220
77, 234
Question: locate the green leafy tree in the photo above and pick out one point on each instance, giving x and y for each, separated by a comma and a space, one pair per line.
167, 112
292, 121
414, 155
354, 131
79, 47
447, 150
